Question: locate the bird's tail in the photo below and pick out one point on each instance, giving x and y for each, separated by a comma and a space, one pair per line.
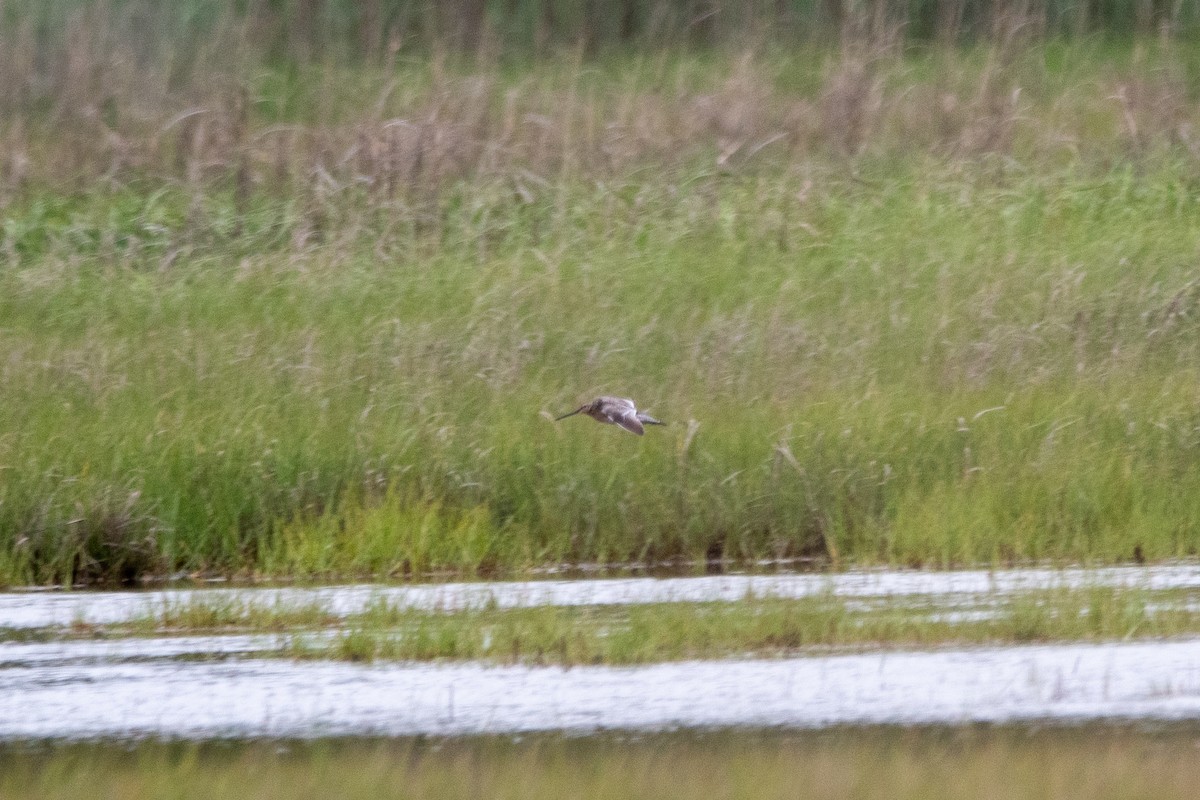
648, 420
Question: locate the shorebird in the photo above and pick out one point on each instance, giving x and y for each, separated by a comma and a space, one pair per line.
615, 411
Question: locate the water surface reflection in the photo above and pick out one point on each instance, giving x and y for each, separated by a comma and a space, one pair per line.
249, 697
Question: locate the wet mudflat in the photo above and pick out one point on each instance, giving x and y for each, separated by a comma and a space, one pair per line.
243, 684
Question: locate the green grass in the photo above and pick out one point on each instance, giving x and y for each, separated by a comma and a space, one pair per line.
1094, 762
674, 631
880, 339
944, 373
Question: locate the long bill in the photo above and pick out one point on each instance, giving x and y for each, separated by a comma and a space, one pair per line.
570, 414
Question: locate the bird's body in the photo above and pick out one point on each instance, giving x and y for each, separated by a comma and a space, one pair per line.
616, 411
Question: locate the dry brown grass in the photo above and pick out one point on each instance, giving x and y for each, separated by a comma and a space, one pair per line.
210, 115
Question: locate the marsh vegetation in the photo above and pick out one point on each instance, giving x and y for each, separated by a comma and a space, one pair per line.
381, 629
902, 300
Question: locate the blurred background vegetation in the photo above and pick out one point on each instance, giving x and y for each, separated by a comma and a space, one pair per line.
374, 30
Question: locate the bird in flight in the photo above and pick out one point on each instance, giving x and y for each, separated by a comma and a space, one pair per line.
615, 411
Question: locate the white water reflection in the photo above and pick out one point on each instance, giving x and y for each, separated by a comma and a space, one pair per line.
56, 609
252, 697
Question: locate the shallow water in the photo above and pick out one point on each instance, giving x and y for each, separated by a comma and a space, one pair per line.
248, 697
38, 609
75, 652
217, 686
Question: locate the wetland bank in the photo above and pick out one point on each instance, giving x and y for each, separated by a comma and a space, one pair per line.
899, 304
284, 302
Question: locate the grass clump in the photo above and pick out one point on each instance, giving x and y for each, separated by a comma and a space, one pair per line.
652, 633
396, 536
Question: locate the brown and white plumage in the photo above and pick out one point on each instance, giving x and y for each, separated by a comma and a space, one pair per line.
615, 411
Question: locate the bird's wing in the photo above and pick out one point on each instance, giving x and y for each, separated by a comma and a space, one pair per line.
627, 419
619, 402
